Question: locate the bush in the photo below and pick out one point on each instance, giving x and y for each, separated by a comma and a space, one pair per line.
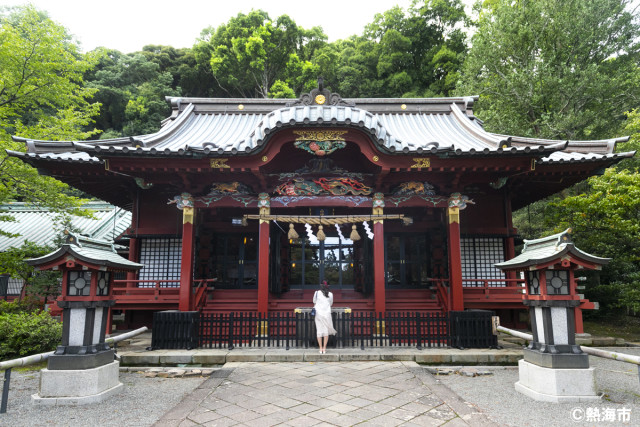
25, 305
24, 334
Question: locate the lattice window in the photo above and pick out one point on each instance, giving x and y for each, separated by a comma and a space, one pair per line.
479, 254
103, 283
557, 282
79, 283
15, 286
161, 258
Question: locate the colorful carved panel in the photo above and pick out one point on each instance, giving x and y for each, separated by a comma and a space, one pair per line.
184, 200
229, 188
320, 143
332, 186
460, 201
414, 187
378, 200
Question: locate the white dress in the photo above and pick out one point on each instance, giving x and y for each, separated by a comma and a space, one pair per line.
324, 323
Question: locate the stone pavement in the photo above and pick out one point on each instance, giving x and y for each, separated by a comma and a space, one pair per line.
309, 394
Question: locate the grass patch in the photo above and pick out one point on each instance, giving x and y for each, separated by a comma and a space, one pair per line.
33, 367
626, 327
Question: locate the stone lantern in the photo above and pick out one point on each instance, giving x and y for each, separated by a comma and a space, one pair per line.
554, 368
82, 369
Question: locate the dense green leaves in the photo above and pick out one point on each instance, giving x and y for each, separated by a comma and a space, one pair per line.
42, 96
24, 334
562, 69
248, 54
40, 284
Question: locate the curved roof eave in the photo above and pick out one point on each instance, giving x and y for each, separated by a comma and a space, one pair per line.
71, 157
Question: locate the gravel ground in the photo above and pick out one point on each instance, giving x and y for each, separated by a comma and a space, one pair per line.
141, 403
496, 396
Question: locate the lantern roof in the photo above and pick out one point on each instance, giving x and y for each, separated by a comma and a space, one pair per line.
99, 254
550, 250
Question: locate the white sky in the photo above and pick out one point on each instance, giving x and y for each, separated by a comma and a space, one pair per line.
128, 25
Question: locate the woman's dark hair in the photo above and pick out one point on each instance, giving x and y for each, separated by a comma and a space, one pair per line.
324, 287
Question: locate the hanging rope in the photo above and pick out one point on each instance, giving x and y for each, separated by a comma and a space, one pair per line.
326, 220
320, 235
292, 233
354, 233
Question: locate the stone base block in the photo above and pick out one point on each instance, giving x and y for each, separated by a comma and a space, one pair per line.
556, 385
78, 387
557, 360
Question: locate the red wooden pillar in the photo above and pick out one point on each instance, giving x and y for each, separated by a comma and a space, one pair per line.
263, 255
455, 262
577, 314
133, 256
186, 263
379, 294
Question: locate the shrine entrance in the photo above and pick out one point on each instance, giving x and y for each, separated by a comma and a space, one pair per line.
341, 262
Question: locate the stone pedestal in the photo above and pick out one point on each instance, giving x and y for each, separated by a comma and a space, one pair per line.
78, 387
557, 385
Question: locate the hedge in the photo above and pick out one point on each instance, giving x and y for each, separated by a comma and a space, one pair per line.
24, 334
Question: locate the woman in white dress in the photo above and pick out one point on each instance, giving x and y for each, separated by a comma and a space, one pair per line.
323, 300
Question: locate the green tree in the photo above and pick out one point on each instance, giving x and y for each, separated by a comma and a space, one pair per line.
562, 69
605, 221
132, 90
41, 284
188, 78
422, 50
248, 54
42, 96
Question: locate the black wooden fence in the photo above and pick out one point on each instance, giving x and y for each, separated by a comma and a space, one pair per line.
470, 329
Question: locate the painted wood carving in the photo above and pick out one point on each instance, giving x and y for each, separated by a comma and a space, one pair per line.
319, 186
320, 143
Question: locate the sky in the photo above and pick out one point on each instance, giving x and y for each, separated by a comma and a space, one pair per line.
128, 25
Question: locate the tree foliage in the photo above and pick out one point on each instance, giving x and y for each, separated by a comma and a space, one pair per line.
40, 284
24, 334
248, 54
132, 90
42, 96
414, 53
561, 69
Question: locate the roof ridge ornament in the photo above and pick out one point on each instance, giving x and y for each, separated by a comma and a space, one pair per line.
320, 96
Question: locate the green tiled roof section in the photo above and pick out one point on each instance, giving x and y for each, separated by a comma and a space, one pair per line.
92, 251
546, 249
37, 225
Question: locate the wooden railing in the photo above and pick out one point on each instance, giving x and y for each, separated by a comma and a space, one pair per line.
146, 291
158, 291
496, 290
200, 290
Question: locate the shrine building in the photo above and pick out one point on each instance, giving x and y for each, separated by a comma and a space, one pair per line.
248, 204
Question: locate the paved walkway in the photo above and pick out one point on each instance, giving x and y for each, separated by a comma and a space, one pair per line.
370, 393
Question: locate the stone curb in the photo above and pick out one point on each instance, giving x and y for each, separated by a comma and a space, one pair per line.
220, 357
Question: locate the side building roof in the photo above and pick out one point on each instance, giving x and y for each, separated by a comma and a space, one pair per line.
547, 249
91, 251
39, 225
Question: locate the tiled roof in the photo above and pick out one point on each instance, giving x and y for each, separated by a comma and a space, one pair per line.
93, 251
223, 127
38, 225
547, 249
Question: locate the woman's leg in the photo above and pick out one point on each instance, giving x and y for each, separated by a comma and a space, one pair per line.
320, 344
325, 339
